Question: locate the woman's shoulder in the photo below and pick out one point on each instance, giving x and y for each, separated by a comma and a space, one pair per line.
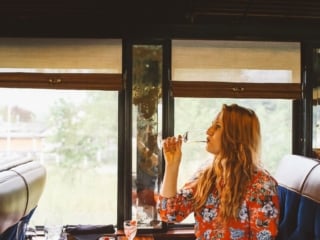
261, 173
262, 179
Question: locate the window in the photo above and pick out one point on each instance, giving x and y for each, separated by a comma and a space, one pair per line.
59, 104
73, 133
206, 74
275, 120
316, 103
146, 127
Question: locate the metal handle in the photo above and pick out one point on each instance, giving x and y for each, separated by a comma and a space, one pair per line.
55, 81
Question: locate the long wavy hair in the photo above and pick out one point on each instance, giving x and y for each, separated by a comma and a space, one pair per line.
234, 167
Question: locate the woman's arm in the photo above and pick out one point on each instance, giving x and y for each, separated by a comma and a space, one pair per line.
174, 206
171, 148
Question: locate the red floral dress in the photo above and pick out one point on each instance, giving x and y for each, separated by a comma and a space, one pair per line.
258, 215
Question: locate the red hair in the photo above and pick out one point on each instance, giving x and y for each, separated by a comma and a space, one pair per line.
233, 168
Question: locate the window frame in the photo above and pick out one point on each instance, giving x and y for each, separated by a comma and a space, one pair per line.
236, 90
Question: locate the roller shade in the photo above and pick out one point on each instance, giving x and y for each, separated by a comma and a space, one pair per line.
61, 63
240, 69
61, 55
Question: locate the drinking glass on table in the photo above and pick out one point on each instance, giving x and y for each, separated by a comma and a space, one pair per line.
130, 228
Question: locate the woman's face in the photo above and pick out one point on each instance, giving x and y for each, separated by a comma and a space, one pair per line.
214, 133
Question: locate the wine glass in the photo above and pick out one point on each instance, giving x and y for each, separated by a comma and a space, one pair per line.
130, 228
190, 136
194, 136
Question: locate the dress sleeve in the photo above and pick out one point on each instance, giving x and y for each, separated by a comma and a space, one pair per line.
263, 204
177, 208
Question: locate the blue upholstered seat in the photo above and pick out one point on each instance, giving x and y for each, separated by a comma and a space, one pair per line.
299, 191
18, 230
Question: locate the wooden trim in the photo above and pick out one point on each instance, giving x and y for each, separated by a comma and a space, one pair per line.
77, 81
236, 90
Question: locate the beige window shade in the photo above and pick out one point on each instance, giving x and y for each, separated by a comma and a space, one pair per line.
236, 61
61, 63
236, 69
60, 55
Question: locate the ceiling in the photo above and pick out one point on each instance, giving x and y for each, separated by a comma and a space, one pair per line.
165, 11
84, 13
257, 10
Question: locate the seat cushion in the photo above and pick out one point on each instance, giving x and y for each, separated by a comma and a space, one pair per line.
299, 194
21, 186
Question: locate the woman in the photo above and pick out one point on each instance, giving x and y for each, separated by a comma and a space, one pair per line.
232, 198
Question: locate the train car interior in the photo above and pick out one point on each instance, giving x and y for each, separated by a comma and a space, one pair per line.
89, 90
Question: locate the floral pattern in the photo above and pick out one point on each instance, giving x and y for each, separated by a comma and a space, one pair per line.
258, 215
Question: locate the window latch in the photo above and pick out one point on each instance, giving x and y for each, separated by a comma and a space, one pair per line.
238, 89
55, 80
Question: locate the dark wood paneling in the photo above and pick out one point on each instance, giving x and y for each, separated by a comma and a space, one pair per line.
92, 81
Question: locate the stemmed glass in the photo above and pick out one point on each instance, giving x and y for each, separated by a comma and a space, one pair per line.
194, 136
191, 136
130, 228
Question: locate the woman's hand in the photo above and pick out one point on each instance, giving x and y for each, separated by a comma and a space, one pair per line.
171, 147
172, 150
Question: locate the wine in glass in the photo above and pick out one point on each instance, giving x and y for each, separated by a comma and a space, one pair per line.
130, 228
